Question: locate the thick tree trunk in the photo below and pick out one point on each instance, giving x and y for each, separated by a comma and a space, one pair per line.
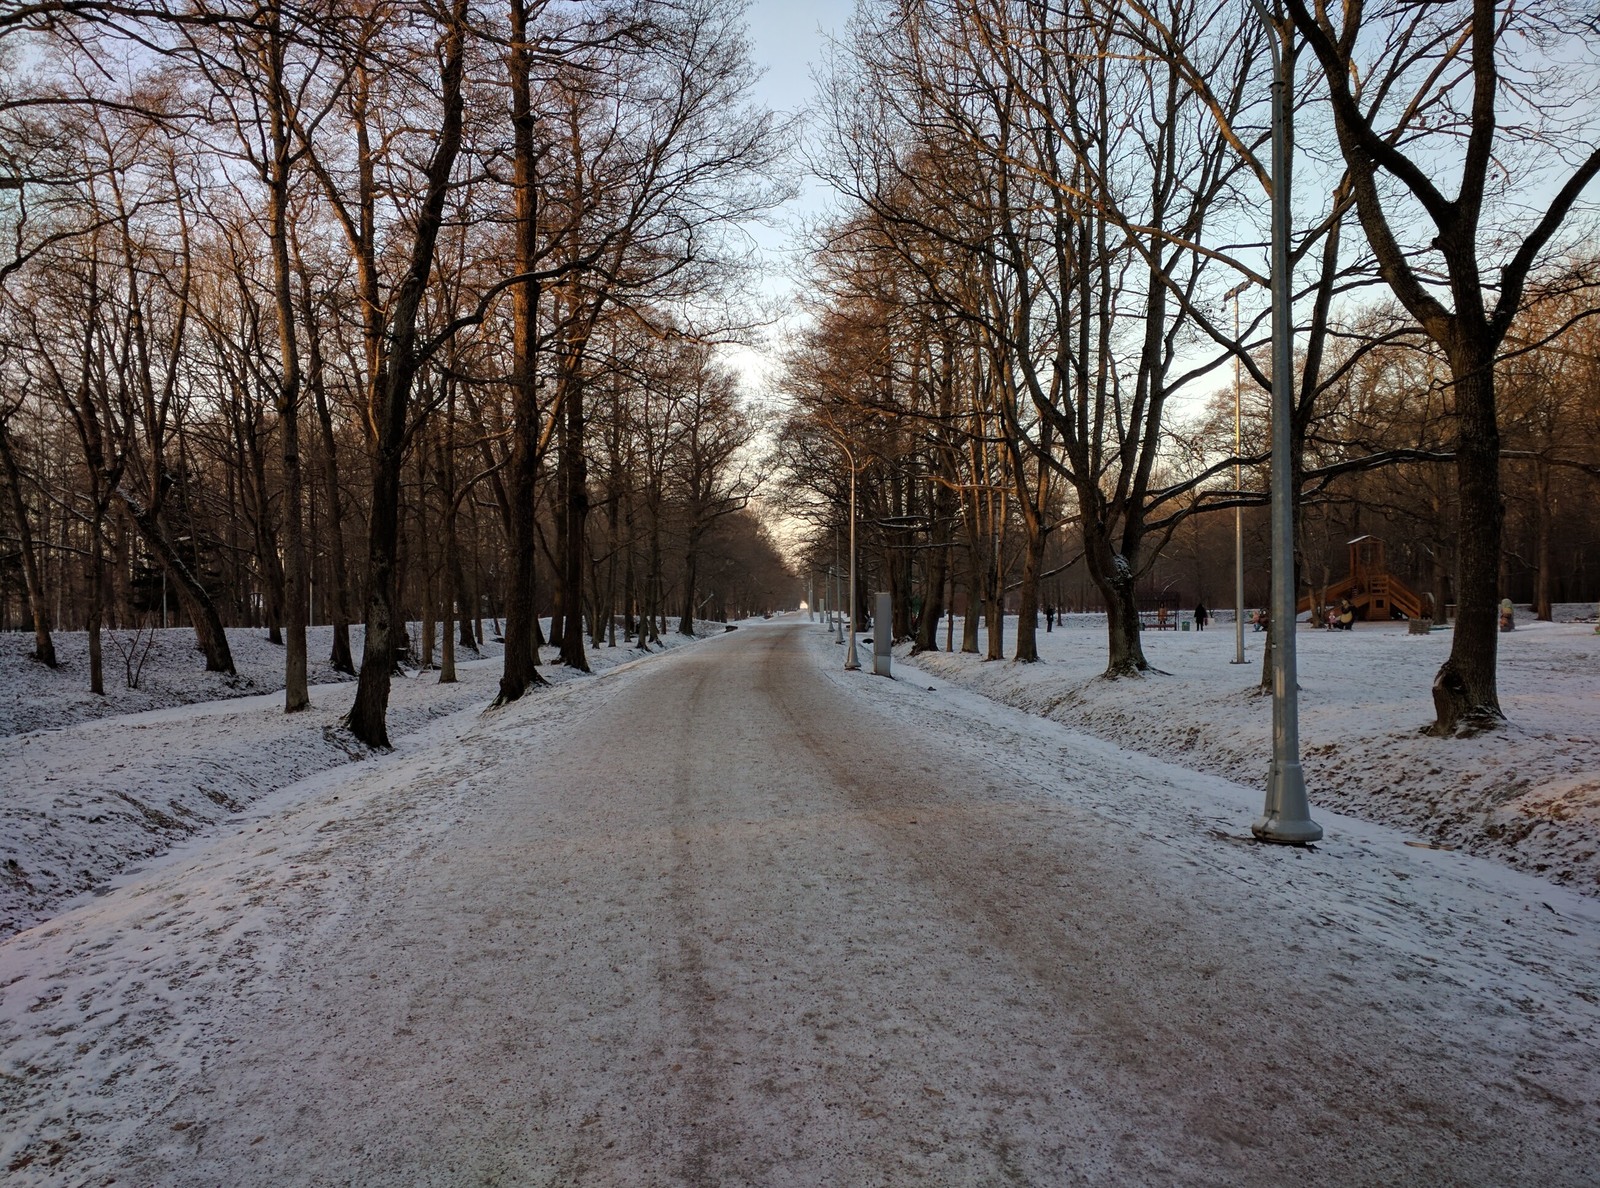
368, 717
521, 662
1112, 575
1125, 656
97, 588
691, 567
1465, 696
296, 695
444, 468
933, 606
1028, 599
44, 648
994, 612
575, 497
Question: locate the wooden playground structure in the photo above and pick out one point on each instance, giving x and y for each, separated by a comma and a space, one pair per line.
1373, 591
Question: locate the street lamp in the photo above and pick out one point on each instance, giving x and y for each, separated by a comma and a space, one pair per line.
838, 626
851, 663
1287, 815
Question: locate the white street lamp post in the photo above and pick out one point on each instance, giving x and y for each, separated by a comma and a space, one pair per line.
838, 623
850, 661
1238, 489
1287, 815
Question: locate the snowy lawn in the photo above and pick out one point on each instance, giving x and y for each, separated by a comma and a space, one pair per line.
92, 784
1527, 794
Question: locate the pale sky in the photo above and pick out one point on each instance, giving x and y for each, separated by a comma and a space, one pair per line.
786, 39
787, 42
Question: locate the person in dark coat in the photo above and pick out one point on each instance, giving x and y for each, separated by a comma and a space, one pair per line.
1200, 616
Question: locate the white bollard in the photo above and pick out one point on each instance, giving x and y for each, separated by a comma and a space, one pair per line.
882, 634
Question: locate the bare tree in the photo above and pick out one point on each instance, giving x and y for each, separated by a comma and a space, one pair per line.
399, 354
1432, 84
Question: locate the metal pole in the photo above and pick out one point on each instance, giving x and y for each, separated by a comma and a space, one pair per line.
838, 625
1238, 487
850, 660
1287, 815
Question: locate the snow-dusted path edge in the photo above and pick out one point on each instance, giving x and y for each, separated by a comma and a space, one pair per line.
1526, 795
87, 801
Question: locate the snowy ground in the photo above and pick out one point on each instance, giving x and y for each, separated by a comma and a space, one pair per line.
1527, 795
733, 916
93, 784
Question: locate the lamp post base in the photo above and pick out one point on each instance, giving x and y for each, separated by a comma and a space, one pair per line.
1286, 820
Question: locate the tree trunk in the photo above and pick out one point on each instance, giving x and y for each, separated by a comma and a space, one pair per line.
933, 605
1113, 576
1465, 696
521, 661
1125, 656
296, 695
192, 595
444, 467
969, 621
575, 499
44, 648
691, 566
1544, 512
1028, 598
340, 655
368, 717
97, 586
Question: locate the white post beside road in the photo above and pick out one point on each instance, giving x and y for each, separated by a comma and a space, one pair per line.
1287, 816
883, 634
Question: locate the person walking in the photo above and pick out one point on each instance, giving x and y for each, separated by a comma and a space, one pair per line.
1200, 616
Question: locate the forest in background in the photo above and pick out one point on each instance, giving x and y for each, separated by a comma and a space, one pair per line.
389, 312
376, 313
1046, 295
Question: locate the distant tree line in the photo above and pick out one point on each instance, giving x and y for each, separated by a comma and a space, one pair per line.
1047, 285
379, 312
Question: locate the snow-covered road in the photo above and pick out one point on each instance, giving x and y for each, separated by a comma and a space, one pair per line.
734, 917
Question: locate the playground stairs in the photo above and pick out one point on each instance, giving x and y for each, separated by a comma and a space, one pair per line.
1376, 596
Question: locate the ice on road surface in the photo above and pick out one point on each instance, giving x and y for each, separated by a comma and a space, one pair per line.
731, 916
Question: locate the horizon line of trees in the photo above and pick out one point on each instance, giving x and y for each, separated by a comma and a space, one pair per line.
1048, 279
411, 308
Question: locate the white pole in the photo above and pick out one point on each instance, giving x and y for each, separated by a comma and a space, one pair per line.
1238, 487
1287, 815
851, 662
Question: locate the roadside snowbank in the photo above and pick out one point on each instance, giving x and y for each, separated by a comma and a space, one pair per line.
1527, 794
93, 784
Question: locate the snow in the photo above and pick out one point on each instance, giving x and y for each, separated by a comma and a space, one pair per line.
1526, 794
694, 921
97, 783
